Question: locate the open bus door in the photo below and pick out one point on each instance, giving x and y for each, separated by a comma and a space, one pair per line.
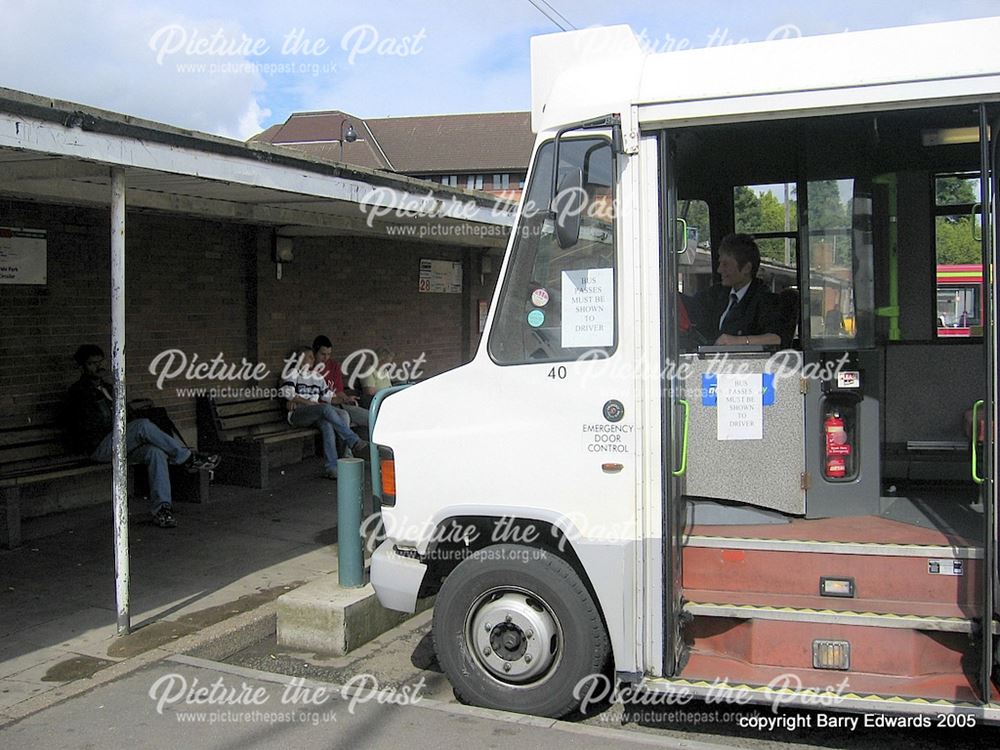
989, 163
673, 243
826, 574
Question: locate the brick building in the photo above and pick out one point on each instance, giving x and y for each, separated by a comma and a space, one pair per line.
484, 151
203, 215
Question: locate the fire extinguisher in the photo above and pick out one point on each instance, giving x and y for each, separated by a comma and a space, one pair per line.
838, 448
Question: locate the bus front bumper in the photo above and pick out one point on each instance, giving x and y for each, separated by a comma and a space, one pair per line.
396, 578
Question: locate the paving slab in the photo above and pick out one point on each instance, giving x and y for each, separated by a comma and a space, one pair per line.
13, 691
57, 591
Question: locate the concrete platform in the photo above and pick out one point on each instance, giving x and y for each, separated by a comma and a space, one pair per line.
323, 617
231, 556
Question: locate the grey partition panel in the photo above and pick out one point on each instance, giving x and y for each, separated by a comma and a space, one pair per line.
766, 473
929, 387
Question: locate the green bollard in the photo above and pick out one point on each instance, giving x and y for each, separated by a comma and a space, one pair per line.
350, 499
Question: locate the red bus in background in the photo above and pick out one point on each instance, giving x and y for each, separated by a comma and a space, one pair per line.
960, 300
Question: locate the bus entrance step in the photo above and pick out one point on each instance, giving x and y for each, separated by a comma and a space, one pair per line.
719, 676
919, 573
744, 602
899, 646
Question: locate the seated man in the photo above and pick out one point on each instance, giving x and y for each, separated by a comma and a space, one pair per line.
308, 398
333, 375
90, 415
740, 310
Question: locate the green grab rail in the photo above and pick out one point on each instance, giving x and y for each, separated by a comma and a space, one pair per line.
684, 443
684, 241
975, 442
891, 311
376, 403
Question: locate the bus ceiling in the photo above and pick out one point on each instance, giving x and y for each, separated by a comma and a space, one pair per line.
776, 151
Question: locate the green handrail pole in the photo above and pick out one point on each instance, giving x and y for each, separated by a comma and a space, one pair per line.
350, 499
684, 443
975, 443
892, 310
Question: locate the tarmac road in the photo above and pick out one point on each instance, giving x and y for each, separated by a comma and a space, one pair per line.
266, 696
405, 656
180, 703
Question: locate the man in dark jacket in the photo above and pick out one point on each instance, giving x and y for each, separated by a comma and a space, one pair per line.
90, 416
740, 310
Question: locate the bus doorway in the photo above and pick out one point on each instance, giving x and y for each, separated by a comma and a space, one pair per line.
835, 519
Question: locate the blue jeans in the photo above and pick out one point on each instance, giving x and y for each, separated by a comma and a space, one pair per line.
145, 443
331, 426
356, 414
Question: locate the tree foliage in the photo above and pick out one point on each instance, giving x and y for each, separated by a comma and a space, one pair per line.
954, 191
955, 241
695, 213
765, 212
826, 210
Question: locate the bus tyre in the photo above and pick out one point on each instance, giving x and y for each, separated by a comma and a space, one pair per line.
515, 629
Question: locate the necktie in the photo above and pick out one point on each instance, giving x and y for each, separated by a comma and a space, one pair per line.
733, 301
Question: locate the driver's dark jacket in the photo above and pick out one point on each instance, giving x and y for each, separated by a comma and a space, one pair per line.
757, 313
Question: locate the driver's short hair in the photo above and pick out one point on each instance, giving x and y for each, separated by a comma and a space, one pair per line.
742, 248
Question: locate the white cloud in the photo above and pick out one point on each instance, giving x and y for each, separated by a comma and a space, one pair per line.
98, 54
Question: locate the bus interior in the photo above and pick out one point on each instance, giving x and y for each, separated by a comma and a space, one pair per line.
863, 210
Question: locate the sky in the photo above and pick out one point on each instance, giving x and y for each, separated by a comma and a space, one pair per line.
234, 68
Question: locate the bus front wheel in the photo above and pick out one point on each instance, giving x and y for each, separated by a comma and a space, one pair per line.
516, 629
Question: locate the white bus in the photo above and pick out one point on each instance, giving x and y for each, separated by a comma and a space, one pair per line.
602, 491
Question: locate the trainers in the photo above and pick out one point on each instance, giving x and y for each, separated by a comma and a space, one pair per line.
202, 462
164, 518
361, 449
330, 474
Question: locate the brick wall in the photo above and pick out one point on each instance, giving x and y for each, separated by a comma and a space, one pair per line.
362, 293
205, 288
185, 282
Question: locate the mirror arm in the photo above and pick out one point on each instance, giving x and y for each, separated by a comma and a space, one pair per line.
613, 121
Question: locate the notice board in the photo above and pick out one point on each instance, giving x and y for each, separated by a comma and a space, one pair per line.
22, 256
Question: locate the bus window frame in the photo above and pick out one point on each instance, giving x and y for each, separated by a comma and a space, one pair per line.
515, 248
952, 209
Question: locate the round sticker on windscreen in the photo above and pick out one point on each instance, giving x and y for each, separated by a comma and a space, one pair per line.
539, 298
536, 318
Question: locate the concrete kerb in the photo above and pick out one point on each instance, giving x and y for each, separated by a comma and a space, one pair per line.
217, 641
322, 616
347, 692
357, 620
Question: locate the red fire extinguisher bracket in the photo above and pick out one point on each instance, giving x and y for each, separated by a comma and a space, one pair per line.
838, 448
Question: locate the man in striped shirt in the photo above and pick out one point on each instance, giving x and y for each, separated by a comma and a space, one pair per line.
308, 397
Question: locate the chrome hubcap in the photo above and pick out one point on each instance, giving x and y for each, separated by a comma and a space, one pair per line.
513, 635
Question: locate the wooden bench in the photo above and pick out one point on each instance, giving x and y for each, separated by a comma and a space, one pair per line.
252, 436
34, 454
30, 455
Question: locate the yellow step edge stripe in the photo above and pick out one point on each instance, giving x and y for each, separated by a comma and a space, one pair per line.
705, 541
811, 611
763, 689
706, 537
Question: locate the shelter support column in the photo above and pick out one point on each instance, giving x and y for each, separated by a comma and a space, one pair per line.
119, 454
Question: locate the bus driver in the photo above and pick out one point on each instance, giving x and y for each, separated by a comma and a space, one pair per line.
740, 310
